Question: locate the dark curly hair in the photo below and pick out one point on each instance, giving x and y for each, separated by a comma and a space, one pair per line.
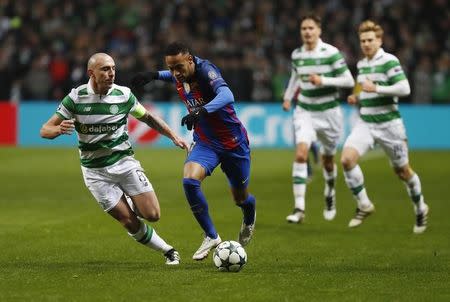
175, 48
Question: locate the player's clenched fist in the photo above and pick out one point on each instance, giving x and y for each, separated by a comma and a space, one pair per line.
67, 127
193, 117
352, 99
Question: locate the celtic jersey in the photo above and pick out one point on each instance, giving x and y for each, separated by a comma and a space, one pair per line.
324, 60
383, 69
100, 122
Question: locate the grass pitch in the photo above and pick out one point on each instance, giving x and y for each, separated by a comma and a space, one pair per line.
56, 243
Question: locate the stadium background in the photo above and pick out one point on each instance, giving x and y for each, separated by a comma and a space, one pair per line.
56, 244
48, 42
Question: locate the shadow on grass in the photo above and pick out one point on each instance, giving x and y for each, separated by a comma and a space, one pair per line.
278, 266
104, 266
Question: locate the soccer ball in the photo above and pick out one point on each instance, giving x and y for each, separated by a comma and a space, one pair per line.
229, 256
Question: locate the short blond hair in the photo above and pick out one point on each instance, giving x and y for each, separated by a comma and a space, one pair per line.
369, 25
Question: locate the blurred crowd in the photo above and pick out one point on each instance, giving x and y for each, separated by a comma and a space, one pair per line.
45, 44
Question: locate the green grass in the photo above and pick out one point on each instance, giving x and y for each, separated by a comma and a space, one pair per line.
56, 243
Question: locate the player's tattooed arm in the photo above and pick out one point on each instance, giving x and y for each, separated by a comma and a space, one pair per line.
155, 122
56, 126
161, 126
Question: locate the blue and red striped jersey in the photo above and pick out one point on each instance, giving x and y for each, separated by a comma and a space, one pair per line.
220, 128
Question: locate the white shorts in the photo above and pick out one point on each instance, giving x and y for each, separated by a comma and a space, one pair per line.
325, 126
108, 184
391, 136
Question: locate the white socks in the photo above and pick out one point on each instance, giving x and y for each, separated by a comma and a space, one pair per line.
330, 180
299, 177
355, 181
414, 188
146, 235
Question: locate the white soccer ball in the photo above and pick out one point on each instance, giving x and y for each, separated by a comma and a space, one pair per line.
229, 256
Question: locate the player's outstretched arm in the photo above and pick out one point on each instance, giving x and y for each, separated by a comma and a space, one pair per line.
56, 126
142, 78
161, 126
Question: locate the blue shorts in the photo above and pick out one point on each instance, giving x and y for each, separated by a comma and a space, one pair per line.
234, 163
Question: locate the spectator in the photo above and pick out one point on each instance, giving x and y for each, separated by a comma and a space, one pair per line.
238, 76
441, 78
37, 75
416, 29
422, 82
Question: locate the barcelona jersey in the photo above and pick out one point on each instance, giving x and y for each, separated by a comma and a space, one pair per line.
220, 128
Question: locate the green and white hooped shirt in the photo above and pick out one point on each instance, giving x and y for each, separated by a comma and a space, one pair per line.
100, 122
324, 60
383, 69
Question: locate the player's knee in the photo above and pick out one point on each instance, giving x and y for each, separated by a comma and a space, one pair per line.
347, 162
328, 164
152, 215
301, 153
238, 201
404, 173
239, 197
301, 157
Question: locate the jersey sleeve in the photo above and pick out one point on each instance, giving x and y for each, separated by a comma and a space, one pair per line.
66, 108
224, 97
401, 88
340, 75
292, 86
166, 76
212, 76
338, 64
137, 110
394, 71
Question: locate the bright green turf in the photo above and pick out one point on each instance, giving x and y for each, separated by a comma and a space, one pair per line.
56, 244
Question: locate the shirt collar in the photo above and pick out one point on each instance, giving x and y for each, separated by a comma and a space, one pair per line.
318, 46
90, 90
380, 52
